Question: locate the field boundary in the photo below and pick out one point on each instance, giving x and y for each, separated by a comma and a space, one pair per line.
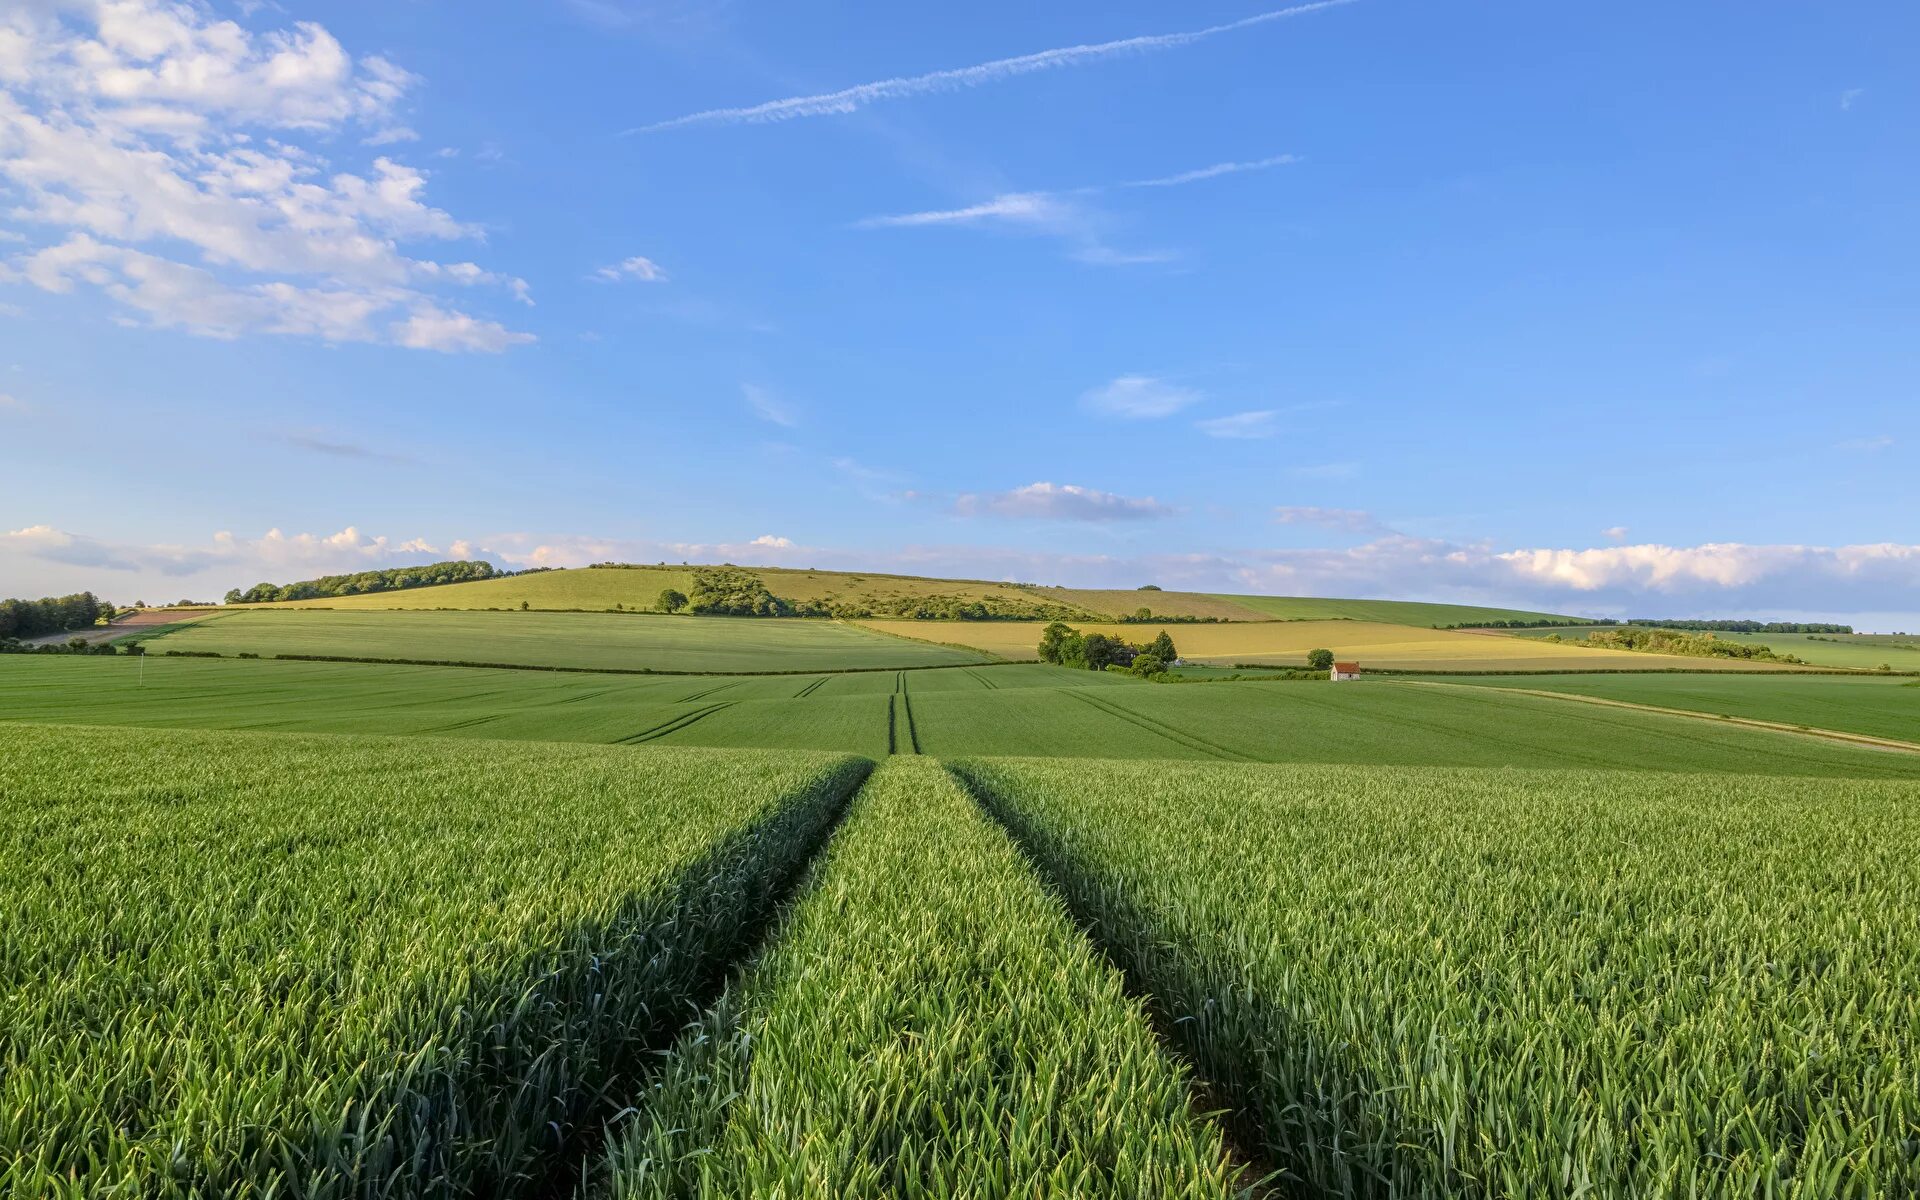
1833, 735
496, 666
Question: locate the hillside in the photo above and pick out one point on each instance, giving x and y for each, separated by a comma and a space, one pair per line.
1390, 612
1861, 651
637, 588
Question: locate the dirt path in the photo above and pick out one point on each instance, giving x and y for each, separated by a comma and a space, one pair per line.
1831, 735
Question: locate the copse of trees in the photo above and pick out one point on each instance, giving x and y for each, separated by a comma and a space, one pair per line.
1745, 626
671, 600
1672, 641
731, 592
53, 614
392, 579
1063, 645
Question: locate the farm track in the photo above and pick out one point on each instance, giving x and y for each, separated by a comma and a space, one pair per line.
673, 726
811, 688
1833, 735
1150, 724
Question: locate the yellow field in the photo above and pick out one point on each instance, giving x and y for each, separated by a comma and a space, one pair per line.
1114, 602
1286, 643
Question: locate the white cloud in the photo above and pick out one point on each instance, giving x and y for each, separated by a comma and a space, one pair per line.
1616, 533
1351, 520
1850, 97
1040, 209
768, 541
851, 99
1059, 502
1866, 445
433, 328
1214, 172
143, 130
1137, 397
638, 267
769, 407
390, 136
1247, 425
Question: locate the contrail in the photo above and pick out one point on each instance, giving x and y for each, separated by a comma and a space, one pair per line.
1213, 172
849, 99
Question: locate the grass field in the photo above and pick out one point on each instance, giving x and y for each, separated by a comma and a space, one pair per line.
863, 1057
1015, 709
1464, 983
1387, 612
243, 965
1286, 643
1875, 707
1867, 651
577, 640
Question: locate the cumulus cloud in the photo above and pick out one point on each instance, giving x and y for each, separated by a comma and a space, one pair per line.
1059, 502
1138, 397
172, 158
770, 542
1616, 533
639, 268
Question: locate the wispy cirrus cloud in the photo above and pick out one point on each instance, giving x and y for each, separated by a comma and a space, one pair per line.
1349, 520
1060, 502
852, 99
1064, 213
770, 407
1246, 426
1137, 397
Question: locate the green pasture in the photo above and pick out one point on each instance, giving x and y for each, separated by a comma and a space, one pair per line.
581, 641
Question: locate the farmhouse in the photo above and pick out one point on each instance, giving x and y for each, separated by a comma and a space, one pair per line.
1345, 670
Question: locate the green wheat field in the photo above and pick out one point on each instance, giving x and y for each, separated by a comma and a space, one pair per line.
420, 902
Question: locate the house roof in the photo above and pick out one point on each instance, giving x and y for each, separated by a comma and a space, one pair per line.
1347, 668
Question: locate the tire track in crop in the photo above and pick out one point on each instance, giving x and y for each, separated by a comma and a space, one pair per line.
811, 688
1152, 725
984, 681
893, 740
702, 695
674, 725
913, 734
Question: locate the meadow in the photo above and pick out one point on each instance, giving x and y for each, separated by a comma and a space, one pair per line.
1286, 643
1466, 983
1876, 707
578, 641
248, 965
1858, 651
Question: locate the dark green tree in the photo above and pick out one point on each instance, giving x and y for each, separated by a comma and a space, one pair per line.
1053, 640
1161, 647
1320, 660
670, 600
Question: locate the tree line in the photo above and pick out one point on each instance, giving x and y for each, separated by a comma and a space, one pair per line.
1674, 641
53, 614
391, 579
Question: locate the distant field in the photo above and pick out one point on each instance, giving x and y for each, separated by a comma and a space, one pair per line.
1866, 651
579, 640
1391, 612
638, 588
1286, 643
1026, 710
1875, 707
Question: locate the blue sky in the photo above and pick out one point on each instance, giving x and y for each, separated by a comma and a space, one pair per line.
1607, 310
